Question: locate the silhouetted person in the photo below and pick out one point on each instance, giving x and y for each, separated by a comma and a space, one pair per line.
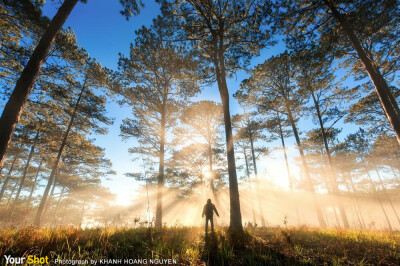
208, 211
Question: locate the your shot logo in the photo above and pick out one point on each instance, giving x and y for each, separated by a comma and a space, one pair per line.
31, 259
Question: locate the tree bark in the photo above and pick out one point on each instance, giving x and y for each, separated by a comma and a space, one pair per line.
57, 161
15, 105
21, 184
333, 174
387, 195
310, 183
35, 181
160, 177
253, 156
388, 102
235, 213
357, 199
210, 163
380, 202
3, 188
11, 194
291, 183
58, 205
248, 180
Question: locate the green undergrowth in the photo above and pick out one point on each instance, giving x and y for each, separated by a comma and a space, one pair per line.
188, 245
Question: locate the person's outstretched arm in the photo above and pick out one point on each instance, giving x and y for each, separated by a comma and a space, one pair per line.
204, 211
216, 212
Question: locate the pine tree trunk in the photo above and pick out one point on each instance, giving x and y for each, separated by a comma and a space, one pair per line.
333, 174
15, 105
387, 195
235, 224
57, 161
210, 163
310, 183
291, 183
160, 177
3, 188
21, 184
248, 180
284, 153
11, 194
35, 180
388, 102
380, 202
253, 156
58, 205
357, 199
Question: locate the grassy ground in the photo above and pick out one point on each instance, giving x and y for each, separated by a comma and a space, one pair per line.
188, 245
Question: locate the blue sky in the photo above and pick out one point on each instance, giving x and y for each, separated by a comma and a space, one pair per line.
104, 33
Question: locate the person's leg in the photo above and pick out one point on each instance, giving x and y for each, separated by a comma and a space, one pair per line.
206, 224
212, 224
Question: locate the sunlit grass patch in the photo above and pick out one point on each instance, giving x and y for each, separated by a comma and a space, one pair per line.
189, 245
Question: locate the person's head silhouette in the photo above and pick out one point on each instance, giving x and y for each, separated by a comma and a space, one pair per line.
209, 201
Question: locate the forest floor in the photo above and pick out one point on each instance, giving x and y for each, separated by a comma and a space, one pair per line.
188, 245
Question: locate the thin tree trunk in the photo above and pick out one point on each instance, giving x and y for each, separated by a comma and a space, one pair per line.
50, 197
387, 195
21, 184
58, 205
291, 183
210, 164
380, 202
57, 161
394, 173
82, 215
160, 178
248, 180
355, 207
257, 181
35, 181
3, 188
15, 105
387, 100
333, 174
11, 194
357, 199
284, 153
63, 214
310, 183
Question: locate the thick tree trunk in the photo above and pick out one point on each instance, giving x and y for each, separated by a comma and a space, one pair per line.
310, 182
387, 100
253, 156
235, 213
333, 174
8, 177
57, 161
248, 180
35, 181
160, 178
21, 184
15, 105
234, 200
